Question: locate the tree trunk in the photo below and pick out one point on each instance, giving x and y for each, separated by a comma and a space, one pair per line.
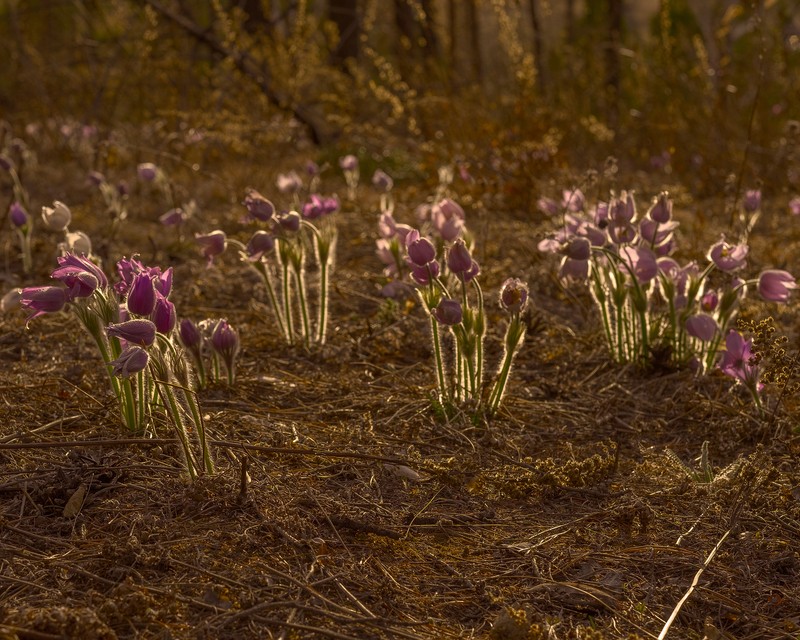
344, 14
615, 11
475, 41
537, 44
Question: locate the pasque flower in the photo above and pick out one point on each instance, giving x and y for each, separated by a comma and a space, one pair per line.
142, 295
752, 200
775, 285
258, 206
147, 171
702, 326
514, 295
163, 316
132, 360
42, 300
382, 180
289, 182
728, 257
420, 250
459, 259
138, 331
449, 312
737, 359
348, 163
190, 335
225, 342
212, 244
71, 263
17, 215
57, 217
262, 242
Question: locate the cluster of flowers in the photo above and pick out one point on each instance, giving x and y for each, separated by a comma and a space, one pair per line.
647, 300
440, 266
210, 342
279, 253
132, 323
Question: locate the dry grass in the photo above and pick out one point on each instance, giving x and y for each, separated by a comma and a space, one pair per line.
344, 508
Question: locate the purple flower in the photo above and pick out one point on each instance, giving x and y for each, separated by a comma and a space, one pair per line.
573, 200
190, 335
775, 285
163, 316
173, 217
57, 217
212, 244
70, 265
622, 232
382, 180
289, 221
261, 243
423, 274
752, 200
641, 261
96, 178
578, 249
147, 171
289, 182
319, 206
622, 210
702, 326
387, 227
661, 211
547, 206
42, 300
161, 281
514, 295
225, 342
573, 269
459, 259
737, 357
6, 163
728, 257
709, 301
139, 331
132, 360
473, 272
794, 206
17, 215
312, 168
127, 268
348, 163
420, 250
142, 295
258, 207
448, 312
447, 218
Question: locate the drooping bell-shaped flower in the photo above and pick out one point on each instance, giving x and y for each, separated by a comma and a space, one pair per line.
473, 272
147, 171
212, 244
420, 250
142, 295
138, 331
77, 242
348, 163
661, 211
423, 274
578, 249
775, 285
382, 181
448, 219
514, 295
132, 360
57, 217
261, 243
258, 207
641, 262
459, 259
289, 182
448, 312
702, 326
289, 221
42, 300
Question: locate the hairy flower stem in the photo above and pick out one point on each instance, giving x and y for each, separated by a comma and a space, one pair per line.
299, 275
515, 335
287, 302
25, 249
263, 270
444, 395
174, 409
194, 408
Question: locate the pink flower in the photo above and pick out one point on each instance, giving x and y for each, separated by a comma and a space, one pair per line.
728, 257
775, 285
702, 326
737, 360
794, 206
212, 244
641, 261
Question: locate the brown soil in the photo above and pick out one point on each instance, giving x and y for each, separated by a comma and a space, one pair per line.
344, 507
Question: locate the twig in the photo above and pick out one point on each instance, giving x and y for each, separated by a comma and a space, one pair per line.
689, 592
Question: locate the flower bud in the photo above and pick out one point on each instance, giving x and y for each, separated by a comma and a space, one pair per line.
459, 259
348, 163
132, 360
382, 181
775, 285
212, 244
258, 206
164, 316
190, 335
139, 331
420, 250
448, 312
57, 217
147, 171
17, 215
514, 295
142, 295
